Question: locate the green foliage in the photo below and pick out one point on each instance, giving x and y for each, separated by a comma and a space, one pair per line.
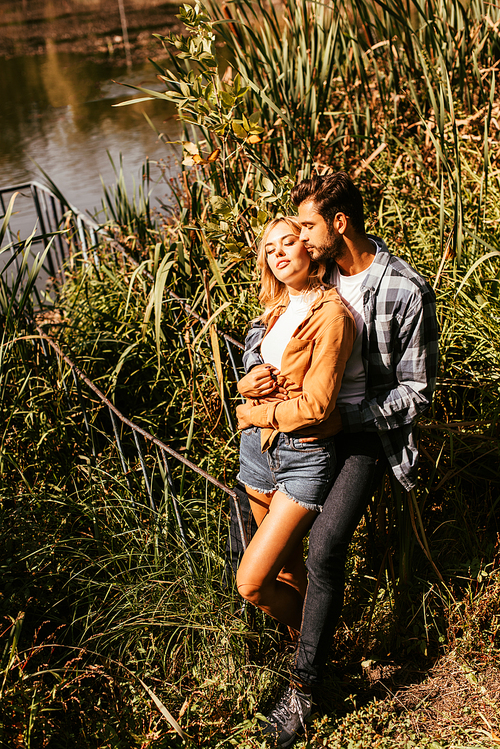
317, 85
130, 218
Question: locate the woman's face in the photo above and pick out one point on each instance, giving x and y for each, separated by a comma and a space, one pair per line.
287, 257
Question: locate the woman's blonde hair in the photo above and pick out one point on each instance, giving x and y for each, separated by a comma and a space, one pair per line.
273, 293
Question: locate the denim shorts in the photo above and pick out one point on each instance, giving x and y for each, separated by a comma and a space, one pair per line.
302, 470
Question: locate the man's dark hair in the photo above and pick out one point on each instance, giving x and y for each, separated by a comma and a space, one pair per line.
331, 194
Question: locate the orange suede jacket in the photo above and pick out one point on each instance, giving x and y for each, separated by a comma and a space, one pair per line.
312, 367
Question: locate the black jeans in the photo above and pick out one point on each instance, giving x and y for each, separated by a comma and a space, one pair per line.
360, 466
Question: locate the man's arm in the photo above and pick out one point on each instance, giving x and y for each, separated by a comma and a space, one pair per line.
416, 350
251, 355
260, 378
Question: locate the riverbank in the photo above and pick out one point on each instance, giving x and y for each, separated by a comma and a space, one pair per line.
90, 27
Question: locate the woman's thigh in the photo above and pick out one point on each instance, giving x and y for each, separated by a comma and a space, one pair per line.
302, 471
255, 473
259, 503
254, 470
283, 527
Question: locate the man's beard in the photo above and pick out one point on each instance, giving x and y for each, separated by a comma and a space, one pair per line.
332, 250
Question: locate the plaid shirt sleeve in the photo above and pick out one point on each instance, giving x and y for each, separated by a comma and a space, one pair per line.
251, 355
414, 346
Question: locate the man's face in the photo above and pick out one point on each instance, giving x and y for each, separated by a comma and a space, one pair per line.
320, 243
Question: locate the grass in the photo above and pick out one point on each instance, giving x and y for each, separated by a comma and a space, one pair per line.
98, 597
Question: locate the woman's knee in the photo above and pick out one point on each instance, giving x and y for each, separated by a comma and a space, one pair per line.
251, 592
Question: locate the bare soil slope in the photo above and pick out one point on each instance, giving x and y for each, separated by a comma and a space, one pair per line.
92, 27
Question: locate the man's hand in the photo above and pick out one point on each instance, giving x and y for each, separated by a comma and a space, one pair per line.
261, 382
243, 415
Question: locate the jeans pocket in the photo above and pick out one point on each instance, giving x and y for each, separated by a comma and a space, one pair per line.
316, 446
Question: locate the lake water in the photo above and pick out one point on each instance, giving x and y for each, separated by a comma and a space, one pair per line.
56, 107
57, 111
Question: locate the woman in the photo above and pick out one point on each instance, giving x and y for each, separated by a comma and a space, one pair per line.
308, 340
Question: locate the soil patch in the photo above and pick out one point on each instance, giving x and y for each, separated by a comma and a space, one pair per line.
456, 699
90, 27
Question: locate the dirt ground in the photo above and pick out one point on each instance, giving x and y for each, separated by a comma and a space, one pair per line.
456, 699
91, 27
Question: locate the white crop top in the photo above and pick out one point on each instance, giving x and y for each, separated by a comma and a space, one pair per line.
275, 342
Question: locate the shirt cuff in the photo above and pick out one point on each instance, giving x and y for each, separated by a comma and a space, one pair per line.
250, 360
262, 415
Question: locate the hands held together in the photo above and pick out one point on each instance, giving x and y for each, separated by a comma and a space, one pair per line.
259, 384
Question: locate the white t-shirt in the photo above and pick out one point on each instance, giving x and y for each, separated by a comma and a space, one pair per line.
353, 385
275, 342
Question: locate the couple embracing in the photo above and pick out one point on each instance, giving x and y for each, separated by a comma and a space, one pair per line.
339, 365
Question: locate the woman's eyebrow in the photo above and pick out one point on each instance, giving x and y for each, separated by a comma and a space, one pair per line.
285, 236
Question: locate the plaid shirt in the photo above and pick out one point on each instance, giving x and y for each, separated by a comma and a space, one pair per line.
400, 358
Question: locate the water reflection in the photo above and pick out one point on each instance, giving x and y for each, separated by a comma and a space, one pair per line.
57, 109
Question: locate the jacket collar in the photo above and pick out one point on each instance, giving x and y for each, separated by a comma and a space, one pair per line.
321, 300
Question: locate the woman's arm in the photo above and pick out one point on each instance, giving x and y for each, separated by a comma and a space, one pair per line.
261, 382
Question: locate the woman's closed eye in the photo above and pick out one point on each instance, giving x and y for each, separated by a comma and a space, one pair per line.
285, 243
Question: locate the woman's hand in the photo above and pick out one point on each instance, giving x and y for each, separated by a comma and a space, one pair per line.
261, 382
243, 415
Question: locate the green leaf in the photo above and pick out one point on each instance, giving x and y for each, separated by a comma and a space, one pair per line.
213, 265
133, 101
160, 281
7, 216
238, 129
220, 205
227, 99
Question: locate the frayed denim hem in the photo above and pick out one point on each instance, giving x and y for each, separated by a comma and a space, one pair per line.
305, 505
255, 488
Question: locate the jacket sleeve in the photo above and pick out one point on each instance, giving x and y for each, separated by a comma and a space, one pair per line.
320, 385
416, 363
251, 355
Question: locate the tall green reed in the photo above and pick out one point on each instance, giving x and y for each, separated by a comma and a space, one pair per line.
131, 215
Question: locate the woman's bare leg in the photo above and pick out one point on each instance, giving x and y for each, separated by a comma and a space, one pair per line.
259, 504
279, 533
294, 570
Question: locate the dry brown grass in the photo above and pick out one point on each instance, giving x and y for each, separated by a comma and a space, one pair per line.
455, 698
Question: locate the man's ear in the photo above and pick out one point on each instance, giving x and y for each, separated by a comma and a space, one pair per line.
340, 222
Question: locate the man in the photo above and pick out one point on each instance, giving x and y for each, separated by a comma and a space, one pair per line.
388, 383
